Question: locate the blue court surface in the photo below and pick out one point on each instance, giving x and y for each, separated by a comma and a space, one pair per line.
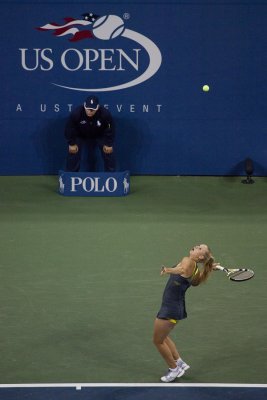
130, 392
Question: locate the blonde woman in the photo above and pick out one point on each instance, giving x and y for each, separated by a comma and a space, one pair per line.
191, 270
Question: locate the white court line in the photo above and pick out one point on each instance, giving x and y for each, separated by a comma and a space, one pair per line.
81, 385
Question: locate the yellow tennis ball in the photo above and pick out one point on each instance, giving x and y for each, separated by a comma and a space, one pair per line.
206, 88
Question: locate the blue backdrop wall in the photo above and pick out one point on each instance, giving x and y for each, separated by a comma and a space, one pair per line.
147, 62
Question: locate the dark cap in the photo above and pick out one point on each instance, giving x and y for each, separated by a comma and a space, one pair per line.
91, 103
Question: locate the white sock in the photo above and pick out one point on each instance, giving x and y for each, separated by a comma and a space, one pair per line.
179, 361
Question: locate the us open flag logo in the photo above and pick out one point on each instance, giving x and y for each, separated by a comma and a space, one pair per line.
73, 27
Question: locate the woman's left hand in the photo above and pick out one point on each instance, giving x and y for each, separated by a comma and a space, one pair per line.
163, 270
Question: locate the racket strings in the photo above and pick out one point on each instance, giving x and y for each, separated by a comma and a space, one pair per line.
241, 275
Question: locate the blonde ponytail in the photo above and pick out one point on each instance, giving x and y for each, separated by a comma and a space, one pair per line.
203, 275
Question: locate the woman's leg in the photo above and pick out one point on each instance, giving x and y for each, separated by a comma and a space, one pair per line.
179, 362
172, 348
162, 328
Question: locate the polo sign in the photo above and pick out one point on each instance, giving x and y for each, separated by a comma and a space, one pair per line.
94, 183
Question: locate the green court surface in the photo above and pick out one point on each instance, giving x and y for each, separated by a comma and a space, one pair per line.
80, 282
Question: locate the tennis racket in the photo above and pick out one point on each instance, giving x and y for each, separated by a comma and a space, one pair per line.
237, 274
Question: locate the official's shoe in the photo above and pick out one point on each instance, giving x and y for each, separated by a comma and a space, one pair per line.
172, 374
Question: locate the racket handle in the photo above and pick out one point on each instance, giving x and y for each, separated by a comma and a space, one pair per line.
221, 268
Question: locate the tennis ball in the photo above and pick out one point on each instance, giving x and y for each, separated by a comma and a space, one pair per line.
206, 88
108, 27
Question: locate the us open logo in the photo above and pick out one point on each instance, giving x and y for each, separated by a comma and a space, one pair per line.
104, 28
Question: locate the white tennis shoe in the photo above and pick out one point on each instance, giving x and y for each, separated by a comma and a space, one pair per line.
172, 374
182, 364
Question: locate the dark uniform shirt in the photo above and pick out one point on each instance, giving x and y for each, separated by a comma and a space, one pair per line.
173, 300
99, 126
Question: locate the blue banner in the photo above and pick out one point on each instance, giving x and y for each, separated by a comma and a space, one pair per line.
169, 392
149, 69
94, 184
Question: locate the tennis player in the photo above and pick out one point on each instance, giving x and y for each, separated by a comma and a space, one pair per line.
192, 270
